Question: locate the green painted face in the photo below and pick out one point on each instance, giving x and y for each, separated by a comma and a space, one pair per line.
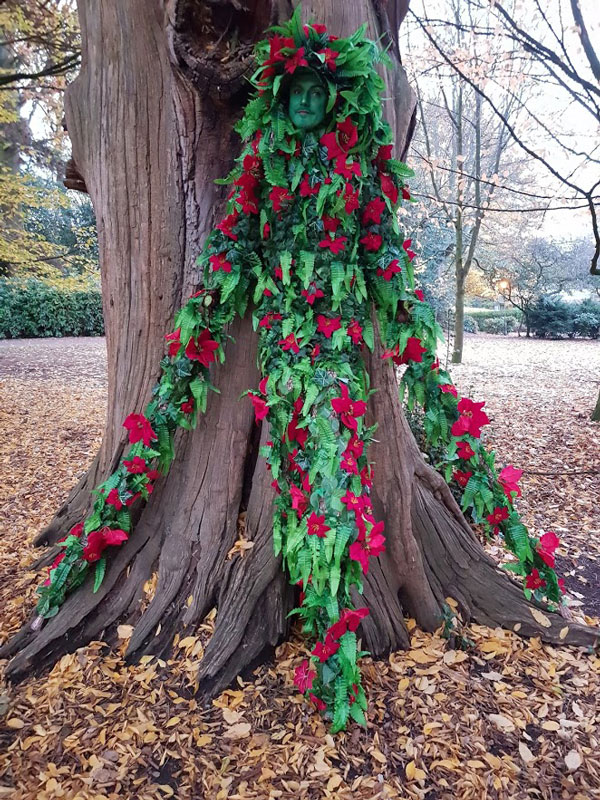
308, 101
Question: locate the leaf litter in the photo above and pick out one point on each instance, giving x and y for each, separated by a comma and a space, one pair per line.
507, 718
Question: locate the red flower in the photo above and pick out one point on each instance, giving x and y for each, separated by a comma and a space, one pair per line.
136, 466
355, 446
295, 61
355, 332
226, 226
306, 190
392, 269
315, 353
299, 500
545, 549
345, 169
266, 230
561, 585
330, 58
153, 474
348, 464
389, 188
412, 352
335, 245
220, 262
351, 198
114, 500
498, 515
311, 294
372, 241
202, 349
174, 343
327, 325
322, 706
330, 224
508, 478
260, 407
448, 388
98, 541
362, 551
405, 193
464, 450
276, 45
534, 581
373, 211
262, 386
279, 198
187, 406
383, 156
324, 650
406, 245
269, 317
357, 504
353, 616
340, 141
296, 434
349, 409
471, 419
462, 478
290, 343
304, 676
139, 429
76, 531
316, 526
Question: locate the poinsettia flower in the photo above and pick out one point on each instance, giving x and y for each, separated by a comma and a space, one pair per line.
320, 704
311, 294
131, 500
373, 211
330, 224
139, 429
351, 198
534, 580
389, 188
349, 409
366, 477
174, 342
448, 388
248, 202
295, 61
220, 263
296, 434
269, 317
99, 540
383, 156
324, 650
262, 387
471, 419
260, 407
266, 230
187, 406
153, 474
330, 58
355, 446
406, 245
315, 353
345, 169
498, 515
290, 343
357, 504
299, 500
279, 197
405, 193
335, 245
327, 325
202, 349
340, 141
304, 676
136, 466
227, 224
276, 45
348, 464
508, 478
316, 526
412, 352
306, 190
113, 499
371, 548
546, 547
353, 616
462, 478
419, 295
464, 450
355, 331
372, 241
392, 269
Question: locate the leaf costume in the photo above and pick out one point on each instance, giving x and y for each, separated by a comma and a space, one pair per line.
311, 236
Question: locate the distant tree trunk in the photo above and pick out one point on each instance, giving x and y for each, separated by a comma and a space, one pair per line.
596, 412
150, 117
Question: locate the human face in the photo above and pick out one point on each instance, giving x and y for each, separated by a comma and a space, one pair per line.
308, 101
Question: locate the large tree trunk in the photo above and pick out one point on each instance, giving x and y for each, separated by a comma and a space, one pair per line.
151, 119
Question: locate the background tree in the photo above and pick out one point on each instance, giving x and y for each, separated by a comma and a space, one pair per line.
150, 117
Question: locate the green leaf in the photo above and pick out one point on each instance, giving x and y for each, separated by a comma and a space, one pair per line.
357, 714
99, 573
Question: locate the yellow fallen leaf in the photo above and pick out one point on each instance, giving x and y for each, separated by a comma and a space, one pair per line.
503, 723
172, 722
563, 632
15, 723
550, 725
238, 731
124, 631
203, 739
476, 764
454, 656
539, 617
413, 773
378, 756
446, 763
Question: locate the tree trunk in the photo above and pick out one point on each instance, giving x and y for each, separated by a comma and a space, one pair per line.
596, 412
151, 119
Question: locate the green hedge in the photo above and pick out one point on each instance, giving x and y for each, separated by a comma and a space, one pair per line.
552, 318
493, 313
33, 308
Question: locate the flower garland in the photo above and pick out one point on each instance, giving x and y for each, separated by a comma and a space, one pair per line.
311, 233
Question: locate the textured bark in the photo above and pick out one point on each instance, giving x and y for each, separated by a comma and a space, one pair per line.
151, 119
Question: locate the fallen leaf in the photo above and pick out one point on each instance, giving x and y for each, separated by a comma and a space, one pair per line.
573, 760
526, 753
239, 731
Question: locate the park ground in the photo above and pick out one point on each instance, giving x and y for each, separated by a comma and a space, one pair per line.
505, 719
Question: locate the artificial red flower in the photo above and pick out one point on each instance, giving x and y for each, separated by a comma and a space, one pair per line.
53, 565
348, 464
372, 241
349, 409
311, 294
498, 515
174, 342
330, 224
392, 269
534, 580
260, 407
113, 499
330, 58
202, 349
383, 156
187, 406
412, 352
315, 353
227, 224
295, 61
153, 474
361, 551
448, 388
269, 317
561, 585
405, 193
327, 325
98, 541
465, 451
366, 476
340, 141
262, 386
545, 549
136, 466
355, 446
351, 200
276, 45
324, 650
353, 616
471, 419
299, 500
320, 704
266, 230
335, 245
306, 190
131, 500
279, 197
357, 504
139, 429
508, 478
389, 188
419, 295
373, 211
296, 434
316, 526
345, 169
290, 343
355, 331
76, 531
406, 245
304, 676
220, 262
462, 478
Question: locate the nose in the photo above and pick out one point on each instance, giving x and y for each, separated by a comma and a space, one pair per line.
304, 100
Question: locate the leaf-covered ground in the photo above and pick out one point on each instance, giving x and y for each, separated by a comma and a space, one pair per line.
507, 719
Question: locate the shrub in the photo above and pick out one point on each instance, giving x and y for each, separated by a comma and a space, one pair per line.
470, 324
493, 313
503, 324
551, 318
34, 308
587, 324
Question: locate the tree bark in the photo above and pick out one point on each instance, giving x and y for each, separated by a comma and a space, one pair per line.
151, 118
596, 411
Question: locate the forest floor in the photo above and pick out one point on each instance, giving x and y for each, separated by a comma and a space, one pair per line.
506, 719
